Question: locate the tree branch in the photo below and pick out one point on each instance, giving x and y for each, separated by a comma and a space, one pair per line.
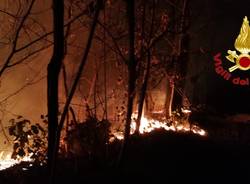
16, 50
14, 43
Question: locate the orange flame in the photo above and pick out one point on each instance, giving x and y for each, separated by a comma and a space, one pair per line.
6, 161
148, 125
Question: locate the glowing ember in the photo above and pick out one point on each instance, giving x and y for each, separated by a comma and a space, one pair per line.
6, 161
148, 125
185, 111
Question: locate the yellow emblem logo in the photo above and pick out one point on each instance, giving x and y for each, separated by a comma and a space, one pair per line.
242, 45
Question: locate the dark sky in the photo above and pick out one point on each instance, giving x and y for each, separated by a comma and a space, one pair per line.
215, 24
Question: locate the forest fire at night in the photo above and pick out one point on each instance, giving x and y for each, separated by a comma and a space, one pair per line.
114, 90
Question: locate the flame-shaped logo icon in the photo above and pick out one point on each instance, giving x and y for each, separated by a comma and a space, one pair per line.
242, 45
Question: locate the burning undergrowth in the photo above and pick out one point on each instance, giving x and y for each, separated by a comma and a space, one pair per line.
169, 143
177, 123
89, 139
29, 142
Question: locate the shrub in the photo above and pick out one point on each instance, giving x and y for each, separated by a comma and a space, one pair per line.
89, 138
30, 139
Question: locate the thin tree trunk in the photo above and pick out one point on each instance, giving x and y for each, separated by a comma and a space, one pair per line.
72, 90
64, 72
105, 67
105, 115
66, 95
147, 73
53, 76
95, 89
173, 100
181, 58
131, 75
169, 98
143, 93
140, 69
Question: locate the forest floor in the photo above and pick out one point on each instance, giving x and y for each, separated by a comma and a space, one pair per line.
156, 157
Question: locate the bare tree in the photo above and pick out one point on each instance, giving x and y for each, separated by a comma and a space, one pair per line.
54, 68
175, 73
131, 73
59, 127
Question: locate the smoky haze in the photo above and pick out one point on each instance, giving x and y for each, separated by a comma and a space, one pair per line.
23, 86
214, 27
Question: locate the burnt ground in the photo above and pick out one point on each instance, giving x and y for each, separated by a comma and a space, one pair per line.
157, 157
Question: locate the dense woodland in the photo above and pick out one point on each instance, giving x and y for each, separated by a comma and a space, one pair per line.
101, 62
